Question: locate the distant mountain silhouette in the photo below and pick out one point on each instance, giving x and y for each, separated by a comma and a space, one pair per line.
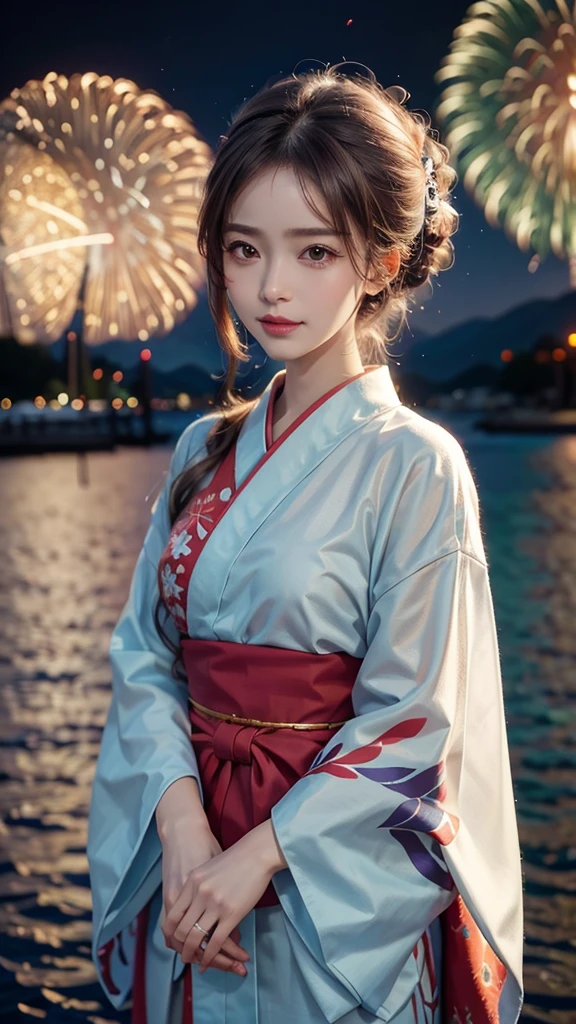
193, 344
482, 340
190, 379
194, 381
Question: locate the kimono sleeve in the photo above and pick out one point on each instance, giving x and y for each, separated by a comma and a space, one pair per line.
411, 804
146, 742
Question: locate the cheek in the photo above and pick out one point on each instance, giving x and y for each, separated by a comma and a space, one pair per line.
242, 283
336, 293
238, 288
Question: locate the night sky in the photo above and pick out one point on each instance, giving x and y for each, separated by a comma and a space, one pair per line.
205, 59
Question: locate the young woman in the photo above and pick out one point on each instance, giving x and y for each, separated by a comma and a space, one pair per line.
302, 810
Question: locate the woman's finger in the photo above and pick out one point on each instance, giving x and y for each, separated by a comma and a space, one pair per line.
175, 908
234, 950
183, 928
191, 937
229, 948
225, 963
214, 945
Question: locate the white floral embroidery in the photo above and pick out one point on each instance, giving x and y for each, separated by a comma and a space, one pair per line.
178, 610
169, 585
179, 544
200, 529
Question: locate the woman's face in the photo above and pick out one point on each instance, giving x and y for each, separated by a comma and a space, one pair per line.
307, 278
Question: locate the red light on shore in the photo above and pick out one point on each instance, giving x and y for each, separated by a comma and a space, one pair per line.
145, 355
117, 376
559, 355
98, 374
72, 336
507, 355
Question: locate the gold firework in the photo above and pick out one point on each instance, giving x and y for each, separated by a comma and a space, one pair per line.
98, 177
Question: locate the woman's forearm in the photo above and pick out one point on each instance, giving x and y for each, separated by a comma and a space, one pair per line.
265, 844
180, 803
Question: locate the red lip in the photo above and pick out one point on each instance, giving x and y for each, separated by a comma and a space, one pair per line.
277, 320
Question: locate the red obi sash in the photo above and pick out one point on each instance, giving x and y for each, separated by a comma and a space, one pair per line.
246, 769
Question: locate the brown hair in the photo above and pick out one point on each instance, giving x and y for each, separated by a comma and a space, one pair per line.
361, 148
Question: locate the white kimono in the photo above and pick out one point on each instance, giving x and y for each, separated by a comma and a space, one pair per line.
359, 533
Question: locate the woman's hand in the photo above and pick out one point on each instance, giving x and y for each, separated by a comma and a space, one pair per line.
187, 843
220, 892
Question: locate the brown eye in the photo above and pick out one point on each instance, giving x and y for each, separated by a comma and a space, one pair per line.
331, 256
317, 248
240, 245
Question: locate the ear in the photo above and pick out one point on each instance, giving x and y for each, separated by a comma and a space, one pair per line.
389, 268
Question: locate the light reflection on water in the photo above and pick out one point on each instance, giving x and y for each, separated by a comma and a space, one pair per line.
69, 552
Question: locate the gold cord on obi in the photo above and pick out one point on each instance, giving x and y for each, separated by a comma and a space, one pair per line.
237, 720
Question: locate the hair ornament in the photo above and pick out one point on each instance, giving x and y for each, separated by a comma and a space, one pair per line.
432, 196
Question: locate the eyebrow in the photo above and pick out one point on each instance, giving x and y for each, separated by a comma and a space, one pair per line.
290, 233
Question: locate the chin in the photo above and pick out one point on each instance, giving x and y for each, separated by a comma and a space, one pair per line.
276, 347
284, 349
285, 353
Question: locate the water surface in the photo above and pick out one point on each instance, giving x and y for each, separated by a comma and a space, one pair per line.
69, 551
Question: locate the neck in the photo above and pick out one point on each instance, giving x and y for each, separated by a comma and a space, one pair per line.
310, 377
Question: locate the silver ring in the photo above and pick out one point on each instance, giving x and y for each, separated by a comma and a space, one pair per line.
200, 929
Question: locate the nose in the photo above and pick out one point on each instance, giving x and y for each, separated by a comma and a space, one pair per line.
274, 284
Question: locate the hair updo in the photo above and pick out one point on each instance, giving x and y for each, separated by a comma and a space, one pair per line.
361, 148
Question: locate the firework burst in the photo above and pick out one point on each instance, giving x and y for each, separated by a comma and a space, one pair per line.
98, 178
509, 114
